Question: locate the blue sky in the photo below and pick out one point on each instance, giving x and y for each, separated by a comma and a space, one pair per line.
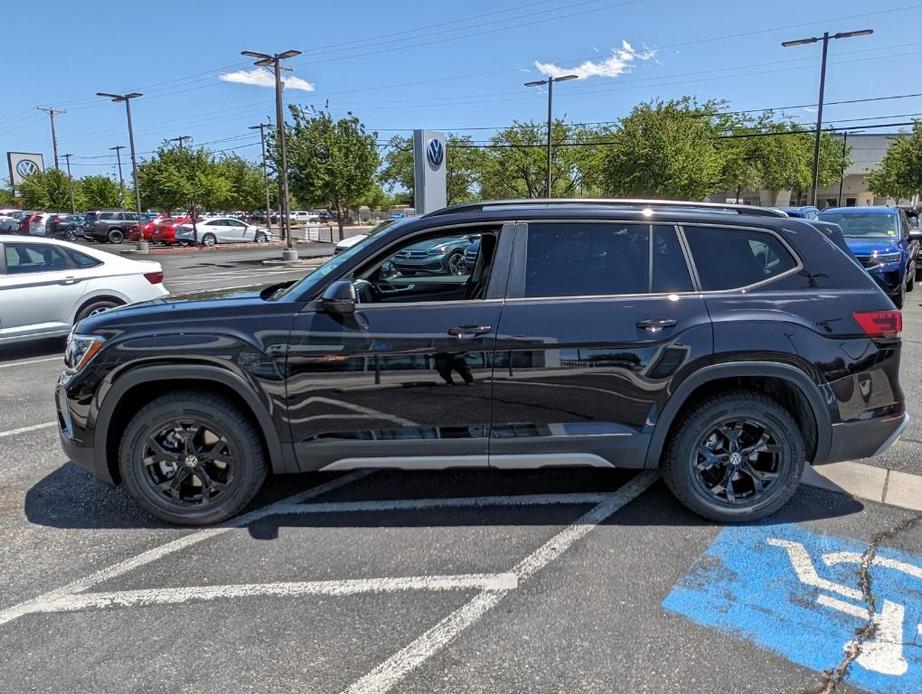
407, 64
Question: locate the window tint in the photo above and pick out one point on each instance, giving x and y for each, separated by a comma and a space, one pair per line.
670, 271
733, 258
107, 215
24, 258
82, 260
572, 259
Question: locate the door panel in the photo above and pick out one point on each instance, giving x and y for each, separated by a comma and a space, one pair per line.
392, 382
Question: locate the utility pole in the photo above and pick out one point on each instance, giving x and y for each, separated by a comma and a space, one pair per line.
142, 244
52, 112
549, 82
275, 60
825, 38
73, 207
121, 181
262, 139
180, 140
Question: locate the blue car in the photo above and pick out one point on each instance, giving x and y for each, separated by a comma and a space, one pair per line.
879, 239
803, 212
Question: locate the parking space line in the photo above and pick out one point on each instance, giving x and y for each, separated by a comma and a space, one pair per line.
23, 430
407, 659
59, 358
185, 594
151, 555
448, 502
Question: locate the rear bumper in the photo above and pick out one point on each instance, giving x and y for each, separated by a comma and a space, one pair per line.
856, 440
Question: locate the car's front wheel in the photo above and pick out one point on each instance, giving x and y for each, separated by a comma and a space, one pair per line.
735, 457
192, 458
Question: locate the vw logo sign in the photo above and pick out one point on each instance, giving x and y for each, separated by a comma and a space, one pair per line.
435, 153
26, 167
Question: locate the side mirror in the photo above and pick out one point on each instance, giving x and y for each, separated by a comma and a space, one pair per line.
339, 297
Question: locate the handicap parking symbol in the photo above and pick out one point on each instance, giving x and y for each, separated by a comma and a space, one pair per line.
797, 593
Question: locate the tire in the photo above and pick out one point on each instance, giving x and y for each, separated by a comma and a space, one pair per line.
910, 281
209, 240
693, 478
70, 235
94, 307
900, 297
115, 236
233, 464
454, 264
261, 238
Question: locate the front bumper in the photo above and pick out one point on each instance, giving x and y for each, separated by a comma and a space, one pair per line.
865, 439
431, 264
77, 441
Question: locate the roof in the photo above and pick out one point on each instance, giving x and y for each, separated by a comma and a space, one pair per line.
627, 204
860, 210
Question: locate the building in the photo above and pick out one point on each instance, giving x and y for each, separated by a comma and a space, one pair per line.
868, 151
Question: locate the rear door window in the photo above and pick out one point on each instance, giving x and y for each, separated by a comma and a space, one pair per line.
730, 258
26, 258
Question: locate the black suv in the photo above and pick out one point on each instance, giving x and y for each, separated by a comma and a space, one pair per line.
113, 226
724, 346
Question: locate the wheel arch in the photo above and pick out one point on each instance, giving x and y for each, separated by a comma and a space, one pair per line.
98, 295
136, 388
784, 382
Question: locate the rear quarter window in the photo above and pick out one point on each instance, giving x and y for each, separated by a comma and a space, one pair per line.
729, 258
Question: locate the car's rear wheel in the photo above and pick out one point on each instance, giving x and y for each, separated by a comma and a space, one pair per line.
192, 458
209, 240
735, 457
116, 236
95, 307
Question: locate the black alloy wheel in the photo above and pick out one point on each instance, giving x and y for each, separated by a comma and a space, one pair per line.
738, 460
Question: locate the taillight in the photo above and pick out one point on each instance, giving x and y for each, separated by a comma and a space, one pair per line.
886, 325
154, 277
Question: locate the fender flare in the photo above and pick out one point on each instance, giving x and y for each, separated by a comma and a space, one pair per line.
151, 374
784, 372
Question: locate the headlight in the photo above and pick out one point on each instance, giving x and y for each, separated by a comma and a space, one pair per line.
80, 350
884, 258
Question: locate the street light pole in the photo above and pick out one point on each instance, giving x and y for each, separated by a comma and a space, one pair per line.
142, 244
825, 38
275, 61
121, 181
262, 140
180, 140
549, 82
52, 112
73, 207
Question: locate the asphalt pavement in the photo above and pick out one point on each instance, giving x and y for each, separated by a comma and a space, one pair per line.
480, 581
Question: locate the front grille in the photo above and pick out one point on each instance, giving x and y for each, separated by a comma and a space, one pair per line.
413, 254
867, 260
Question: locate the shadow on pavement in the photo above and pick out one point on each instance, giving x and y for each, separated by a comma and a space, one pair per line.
33, 349
71, 498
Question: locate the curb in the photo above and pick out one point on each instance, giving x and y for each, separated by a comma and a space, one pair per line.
883, 485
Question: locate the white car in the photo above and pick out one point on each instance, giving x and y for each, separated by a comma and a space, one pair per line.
221, 230
38, 223
350, 241
46, 286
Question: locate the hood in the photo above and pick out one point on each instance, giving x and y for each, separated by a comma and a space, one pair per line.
867, 246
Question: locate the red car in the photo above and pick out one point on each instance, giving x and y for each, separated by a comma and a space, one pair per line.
164, 231
147, 228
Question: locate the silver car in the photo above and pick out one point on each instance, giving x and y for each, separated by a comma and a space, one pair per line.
220, 230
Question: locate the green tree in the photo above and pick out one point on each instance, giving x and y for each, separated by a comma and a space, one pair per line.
899, 175
665, 149
246, 187
514, 164
396, 173
46, 190
6, 198
330, 161
98, 192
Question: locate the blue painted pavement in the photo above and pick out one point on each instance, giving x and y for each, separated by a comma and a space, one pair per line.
796, 593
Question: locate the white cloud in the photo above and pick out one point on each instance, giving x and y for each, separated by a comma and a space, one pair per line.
613, 66
261, 77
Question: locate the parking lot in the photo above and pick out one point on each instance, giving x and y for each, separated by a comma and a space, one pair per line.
548, 580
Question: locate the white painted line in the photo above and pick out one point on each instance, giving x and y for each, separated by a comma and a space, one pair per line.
151, 555
407, 659
59, 358
23, 430
448, 502
185, 594
854, 558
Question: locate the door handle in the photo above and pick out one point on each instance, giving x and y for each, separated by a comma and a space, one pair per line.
463, 331
68, 280
654, 325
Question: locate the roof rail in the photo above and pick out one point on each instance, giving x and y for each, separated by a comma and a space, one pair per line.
608, 202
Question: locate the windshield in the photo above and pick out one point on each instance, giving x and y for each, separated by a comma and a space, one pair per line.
337, 261
868, 225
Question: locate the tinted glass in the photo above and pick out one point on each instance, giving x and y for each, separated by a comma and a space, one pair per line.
864, 224
733, 258
571, 259
82, 260
670, 271
24, 258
